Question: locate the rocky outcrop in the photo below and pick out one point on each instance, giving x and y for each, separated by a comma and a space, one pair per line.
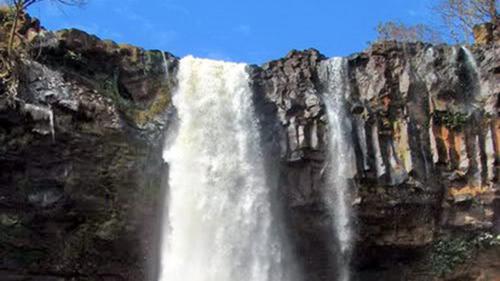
80, 160
81, 167
424, 131
432, 108
487, 33
291, 86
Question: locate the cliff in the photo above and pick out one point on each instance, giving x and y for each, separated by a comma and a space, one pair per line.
81, 170
426, 169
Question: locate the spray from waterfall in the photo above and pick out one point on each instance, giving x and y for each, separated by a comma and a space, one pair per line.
219, 224
341, 167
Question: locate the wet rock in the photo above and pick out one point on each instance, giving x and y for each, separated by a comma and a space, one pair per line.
45, 197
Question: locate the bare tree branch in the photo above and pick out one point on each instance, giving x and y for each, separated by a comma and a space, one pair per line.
460, 16
20, 6
407, 33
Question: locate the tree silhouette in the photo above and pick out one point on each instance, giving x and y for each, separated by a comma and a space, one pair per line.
407, 33
460, 16
19, 7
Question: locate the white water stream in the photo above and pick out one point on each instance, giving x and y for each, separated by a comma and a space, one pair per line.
219, 224
333, 74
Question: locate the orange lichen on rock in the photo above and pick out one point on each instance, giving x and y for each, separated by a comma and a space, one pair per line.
461, 161
442, 135
468, 191
496, 136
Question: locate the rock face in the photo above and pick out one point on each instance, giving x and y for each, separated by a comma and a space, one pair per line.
291, 86
81, 169
80, 161
486, 33
425, 135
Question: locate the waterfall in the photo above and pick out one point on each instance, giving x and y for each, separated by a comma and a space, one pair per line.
219, 224
165, 64
43, 114
333, 74
473, 92
469, 57
474, 95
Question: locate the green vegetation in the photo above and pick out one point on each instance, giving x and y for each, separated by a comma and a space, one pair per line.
108, 84
449, 252
452, 120
141, 117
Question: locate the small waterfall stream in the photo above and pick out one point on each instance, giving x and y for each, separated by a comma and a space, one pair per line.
473, 86
219, 225
333, 74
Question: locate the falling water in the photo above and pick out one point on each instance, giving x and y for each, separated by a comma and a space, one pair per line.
474, 94
333, 73
219, 225
475, 91
165, 64
469, 57
42, 113
51, 125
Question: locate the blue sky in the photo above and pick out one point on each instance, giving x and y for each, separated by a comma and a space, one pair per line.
236, 30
